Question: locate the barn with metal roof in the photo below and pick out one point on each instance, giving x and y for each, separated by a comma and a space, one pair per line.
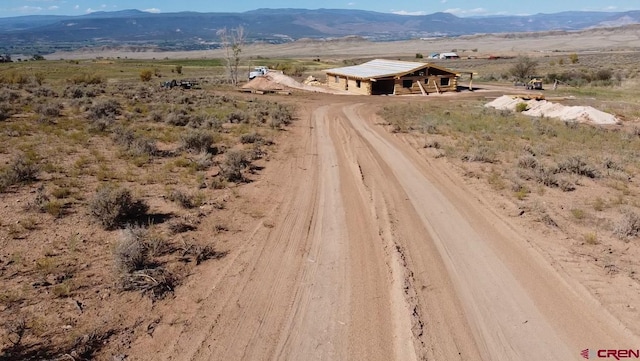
386, 77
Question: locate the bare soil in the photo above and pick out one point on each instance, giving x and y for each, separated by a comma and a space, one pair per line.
368, 249
350, 243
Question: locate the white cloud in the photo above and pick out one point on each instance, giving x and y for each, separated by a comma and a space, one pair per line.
77, 7
54, 7
351, 4
412, 13
27, 9
444, 1
91, 10
459, 11
152, 10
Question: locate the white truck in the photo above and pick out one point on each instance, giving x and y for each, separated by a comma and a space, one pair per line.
258, 71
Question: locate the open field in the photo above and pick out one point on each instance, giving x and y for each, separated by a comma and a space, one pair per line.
145, 223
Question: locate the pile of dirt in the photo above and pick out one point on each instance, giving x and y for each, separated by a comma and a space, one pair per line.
263, 83
278, 81
544, 108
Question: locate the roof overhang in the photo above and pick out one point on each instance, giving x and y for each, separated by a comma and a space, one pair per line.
380, 68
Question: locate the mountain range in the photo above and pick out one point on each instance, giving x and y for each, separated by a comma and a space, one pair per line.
192, 30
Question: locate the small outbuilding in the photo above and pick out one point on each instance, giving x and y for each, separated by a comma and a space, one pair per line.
392, 77
448, 56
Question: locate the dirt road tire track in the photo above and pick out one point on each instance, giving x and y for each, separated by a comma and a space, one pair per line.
372, 252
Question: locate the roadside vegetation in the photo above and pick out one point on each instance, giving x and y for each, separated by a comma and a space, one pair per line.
109, 185
574, 178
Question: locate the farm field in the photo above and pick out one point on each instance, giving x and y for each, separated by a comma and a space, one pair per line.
143, 223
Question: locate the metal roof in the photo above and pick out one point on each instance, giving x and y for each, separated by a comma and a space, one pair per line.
381, 68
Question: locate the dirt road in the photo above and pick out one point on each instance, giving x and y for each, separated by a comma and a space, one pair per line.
368, 251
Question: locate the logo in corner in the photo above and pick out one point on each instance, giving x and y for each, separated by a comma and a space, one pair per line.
585, 354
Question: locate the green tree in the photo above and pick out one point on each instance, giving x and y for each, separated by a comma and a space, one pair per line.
146, 74
574, 58
524, 68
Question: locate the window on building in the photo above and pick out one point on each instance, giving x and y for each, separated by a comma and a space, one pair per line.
426, 81
444, 81
358, 83
337, 79
407, 83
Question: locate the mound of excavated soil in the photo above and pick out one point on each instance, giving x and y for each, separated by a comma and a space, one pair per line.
262, 83
544, 108
274, 80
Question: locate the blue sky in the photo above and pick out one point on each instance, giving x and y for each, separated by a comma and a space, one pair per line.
457, 7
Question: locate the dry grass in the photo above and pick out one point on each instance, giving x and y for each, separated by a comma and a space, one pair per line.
81, 126
542, 158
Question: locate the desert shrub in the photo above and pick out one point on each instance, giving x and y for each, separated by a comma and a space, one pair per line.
429, 127
628, 226
114, 206
235, 161
49, 109
109, 108
196, 141
546, 219
574, 58
9, 96
237, 117
213, 123
5, 112
179, 226
156, 116
20, 170
282, 115
203, 161
251, 138
61, 192
73, 92
155, 282
44, 92
566, 185
528, 161
146, 75
93, 91
544, 129
178, 117
218, 183
130, 253
143, 146
520, 190
432, 143
482, 154
577, 165
591, 238
86, 79
181, 198
545, 176
123, 136
178, 69
135, 145
14, 77
521, 107
290, 69
201, 253
603, 75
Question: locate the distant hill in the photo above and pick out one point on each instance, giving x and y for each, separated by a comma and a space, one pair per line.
192, 30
